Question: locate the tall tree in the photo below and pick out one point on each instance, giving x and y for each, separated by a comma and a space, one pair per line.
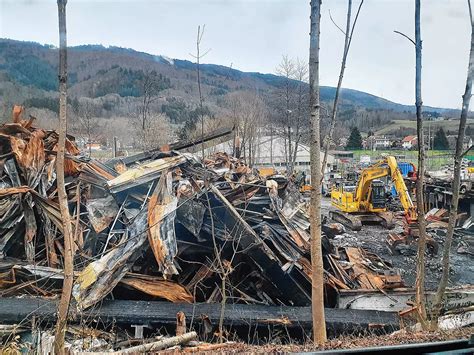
420, 263
198, 57
63, 307
301, 109
247, 113
466, 99
317, 280
291, 109
355, 140
440, 141
86, 116
348, 33
420, 206
286, 69
149, 87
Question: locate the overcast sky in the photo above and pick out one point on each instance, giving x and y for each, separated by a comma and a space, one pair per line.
253, 35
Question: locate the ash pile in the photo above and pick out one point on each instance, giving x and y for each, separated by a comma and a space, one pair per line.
162, 225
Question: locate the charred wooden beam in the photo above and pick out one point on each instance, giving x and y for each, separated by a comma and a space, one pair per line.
14, 310
183, 144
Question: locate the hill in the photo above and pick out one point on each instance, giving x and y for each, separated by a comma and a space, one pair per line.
111, 76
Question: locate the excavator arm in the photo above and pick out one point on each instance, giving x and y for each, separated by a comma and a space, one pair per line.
402, 190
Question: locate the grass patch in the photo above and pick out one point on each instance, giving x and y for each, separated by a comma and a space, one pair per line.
436, 159
448, 125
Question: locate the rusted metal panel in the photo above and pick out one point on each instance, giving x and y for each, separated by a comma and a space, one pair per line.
98, 278
161, 231
144, 173
102, 211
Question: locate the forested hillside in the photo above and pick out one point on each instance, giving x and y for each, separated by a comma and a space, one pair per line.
110, 83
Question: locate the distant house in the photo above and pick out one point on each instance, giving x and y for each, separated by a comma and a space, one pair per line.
409, 142
92, 146
382, 142
378, 142
271, 152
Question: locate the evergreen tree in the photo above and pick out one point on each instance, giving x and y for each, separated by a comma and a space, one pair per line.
469, 131
355, 140
440, 141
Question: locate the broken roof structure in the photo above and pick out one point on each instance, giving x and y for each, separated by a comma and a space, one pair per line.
162, 225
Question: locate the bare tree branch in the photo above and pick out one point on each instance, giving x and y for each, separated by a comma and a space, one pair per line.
347, 43
335, 24
470, 12
354, 23
404, 35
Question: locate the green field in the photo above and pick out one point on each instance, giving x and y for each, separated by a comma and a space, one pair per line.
448, 125
436, 159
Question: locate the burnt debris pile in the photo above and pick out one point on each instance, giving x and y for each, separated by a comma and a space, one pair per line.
162, 225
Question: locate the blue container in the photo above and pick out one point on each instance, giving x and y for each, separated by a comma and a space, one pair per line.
405, 168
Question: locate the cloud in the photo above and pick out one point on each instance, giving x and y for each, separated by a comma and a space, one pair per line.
253, 34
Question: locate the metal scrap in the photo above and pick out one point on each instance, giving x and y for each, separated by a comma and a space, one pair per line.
163, 224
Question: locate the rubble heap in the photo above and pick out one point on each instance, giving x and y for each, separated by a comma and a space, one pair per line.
166, 226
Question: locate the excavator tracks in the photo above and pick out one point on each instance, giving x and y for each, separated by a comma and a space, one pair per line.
355, 221
346, 219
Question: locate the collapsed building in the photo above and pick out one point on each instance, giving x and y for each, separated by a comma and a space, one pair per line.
168, 226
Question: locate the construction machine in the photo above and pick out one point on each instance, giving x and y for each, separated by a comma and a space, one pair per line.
366, 203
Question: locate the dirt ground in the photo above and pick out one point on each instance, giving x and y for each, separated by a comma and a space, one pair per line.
373, 238
344, 342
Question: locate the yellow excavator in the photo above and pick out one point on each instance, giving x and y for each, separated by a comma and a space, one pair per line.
366, 203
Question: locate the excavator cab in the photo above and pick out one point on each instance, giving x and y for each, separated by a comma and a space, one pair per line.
377, 195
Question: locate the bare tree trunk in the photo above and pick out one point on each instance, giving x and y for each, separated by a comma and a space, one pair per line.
317, 294
223, 304
456, 178
295, 150
347, 43
271, 145
420, 263
89, 135
289, 165
288, 157
198, 57
63, 307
